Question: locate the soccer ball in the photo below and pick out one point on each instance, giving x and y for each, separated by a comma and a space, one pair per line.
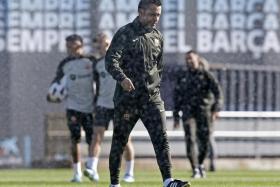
57, 91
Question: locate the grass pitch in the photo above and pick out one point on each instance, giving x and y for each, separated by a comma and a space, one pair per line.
150, 178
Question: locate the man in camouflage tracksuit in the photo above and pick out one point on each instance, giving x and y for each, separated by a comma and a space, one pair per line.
134, 59
198, 95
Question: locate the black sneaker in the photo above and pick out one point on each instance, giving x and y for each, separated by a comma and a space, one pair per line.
212, 167
179, 183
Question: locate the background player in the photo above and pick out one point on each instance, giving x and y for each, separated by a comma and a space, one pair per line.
104, 109
198, 95
79, 101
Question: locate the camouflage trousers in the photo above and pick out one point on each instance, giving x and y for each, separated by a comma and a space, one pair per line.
198, 129
154, 120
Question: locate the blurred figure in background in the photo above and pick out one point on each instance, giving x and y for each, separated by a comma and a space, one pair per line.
198, 95
104, 109
78, 73
212, 153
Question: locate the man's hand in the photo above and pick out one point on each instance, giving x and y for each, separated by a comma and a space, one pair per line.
176, 125
50, 99
127, 85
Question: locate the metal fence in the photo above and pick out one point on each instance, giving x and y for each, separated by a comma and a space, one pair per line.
238, 134
249, 88
245, 88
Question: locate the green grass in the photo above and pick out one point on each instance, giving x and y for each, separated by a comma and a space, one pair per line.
60, 178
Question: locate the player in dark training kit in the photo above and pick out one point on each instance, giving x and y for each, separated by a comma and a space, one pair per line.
134, 59
198, 95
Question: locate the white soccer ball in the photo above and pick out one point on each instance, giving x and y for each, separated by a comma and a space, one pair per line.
57, 91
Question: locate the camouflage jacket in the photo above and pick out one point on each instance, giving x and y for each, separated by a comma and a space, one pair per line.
196, 92
136, 53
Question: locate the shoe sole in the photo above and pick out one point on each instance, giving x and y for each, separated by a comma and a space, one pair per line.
197, 177
89, 176
76, 181
128, 181
187, 185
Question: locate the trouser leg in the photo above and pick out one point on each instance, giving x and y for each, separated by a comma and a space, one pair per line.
191, 141
155, 122
203, 134
212, 151
74, 125
124, 121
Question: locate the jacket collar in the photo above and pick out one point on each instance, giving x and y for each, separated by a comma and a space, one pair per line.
139, 27
75, 57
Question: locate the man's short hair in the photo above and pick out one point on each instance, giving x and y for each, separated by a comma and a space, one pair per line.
143, 4
191, 51
74, 37
102, 35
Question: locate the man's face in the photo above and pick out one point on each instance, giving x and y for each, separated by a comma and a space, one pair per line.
74, 48
100, 43
192, 60
149, 17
